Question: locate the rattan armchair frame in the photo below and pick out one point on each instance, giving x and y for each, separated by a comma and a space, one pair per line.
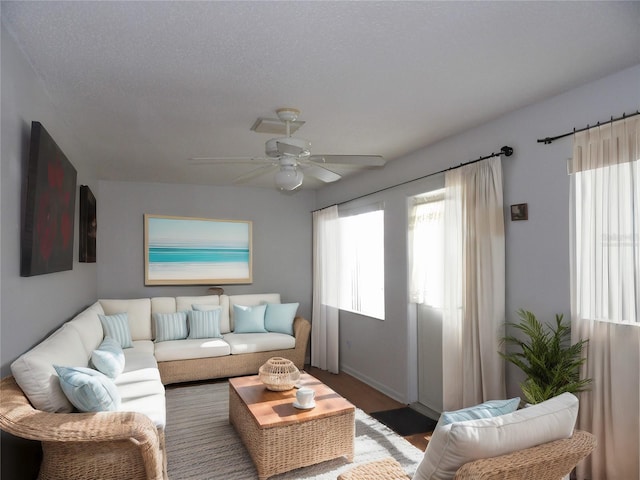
549, 461
106, 445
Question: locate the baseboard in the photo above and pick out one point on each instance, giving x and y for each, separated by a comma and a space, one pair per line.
398, 397
424, 410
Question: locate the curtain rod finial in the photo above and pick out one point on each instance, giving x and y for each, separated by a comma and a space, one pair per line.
506, 151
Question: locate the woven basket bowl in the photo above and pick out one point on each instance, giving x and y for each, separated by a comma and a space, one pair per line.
279, 374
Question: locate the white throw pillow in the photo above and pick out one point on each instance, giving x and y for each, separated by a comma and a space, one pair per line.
455, 444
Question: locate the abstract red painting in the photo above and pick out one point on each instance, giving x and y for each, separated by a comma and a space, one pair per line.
48, 216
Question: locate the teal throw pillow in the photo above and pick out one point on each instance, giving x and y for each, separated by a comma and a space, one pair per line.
204, 324
108, 358
492, 408
279, 317
170, 326
117, 327
88, 390
249, 319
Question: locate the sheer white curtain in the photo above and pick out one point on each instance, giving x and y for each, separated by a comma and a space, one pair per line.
605, 293
474, 284
325, 312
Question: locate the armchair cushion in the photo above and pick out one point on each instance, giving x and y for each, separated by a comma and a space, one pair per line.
455, 444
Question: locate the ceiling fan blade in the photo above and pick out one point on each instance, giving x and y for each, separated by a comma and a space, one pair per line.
230, 161
256, 172
320, 173
287, 149
365, 161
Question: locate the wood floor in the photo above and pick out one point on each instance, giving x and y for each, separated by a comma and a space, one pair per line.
364, 397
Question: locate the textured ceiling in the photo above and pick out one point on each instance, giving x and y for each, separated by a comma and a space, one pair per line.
146, 85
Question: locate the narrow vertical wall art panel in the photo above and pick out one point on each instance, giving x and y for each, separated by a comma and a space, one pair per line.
88, 225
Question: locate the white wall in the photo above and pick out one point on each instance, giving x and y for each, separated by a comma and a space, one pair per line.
537, 250
281, 236
31, 307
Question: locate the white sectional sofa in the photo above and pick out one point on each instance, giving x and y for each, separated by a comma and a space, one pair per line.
127, 440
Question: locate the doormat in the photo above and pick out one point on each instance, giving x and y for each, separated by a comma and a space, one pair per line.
405, 421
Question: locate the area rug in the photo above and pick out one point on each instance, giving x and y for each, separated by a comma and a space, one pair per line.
405, 421
201, 445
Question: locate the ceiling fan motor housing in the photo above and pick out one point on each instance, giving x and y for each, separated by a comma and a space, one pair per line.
271, 147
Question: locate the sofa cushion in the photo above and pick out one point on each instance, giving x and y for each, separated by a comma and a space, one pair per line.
279, 317
249, 319
117, 327
204, 324
202, 301
248, 300
139, 385
88, 390
138, 313
89, 327
258, 342
146, 346
455, 444
163, 305
151, 405
185, 303
189, 349
34, 372
170, 326
140, 366
491, 408
108, 358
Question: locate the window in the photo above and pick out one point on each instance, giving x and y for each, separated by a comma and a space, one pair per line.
362, 262
426, 249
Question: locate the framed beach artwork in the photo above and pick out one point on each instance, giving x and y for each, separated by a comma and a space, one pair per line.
196, 251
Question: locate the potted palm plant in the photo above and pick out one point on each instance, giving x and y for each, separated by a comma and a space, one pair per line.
547, 358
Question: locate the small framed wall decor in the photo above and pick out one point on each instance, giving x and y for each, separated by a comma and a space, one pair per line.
88, 225
519, 211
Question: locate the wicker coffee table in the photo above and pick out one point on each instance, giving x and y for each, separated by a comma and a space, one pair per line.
280, 437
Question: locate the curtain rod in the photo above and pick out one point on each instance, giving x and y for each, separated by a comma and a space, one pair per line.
506, 151
548, 140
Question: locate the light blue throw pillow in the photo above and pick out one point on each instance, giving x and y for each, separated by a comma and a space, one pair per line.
108, 358
204, 307
279, 317
170, 326
249, 319
88, 390
117, 327
492, 408
204, 323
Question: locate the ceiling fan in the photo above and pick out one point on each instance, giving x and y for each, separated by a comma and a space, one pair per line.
290, 157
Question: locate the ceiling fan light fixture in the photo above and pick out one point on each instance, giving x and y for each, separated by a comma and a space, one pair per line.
301, 146
288, 178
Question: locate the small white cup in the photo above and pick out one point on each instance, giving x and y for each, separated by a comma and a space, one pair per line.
305, 396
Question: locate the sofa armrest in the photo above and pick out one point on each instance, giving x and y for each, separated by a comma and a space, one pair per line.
19, 418
302, 331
